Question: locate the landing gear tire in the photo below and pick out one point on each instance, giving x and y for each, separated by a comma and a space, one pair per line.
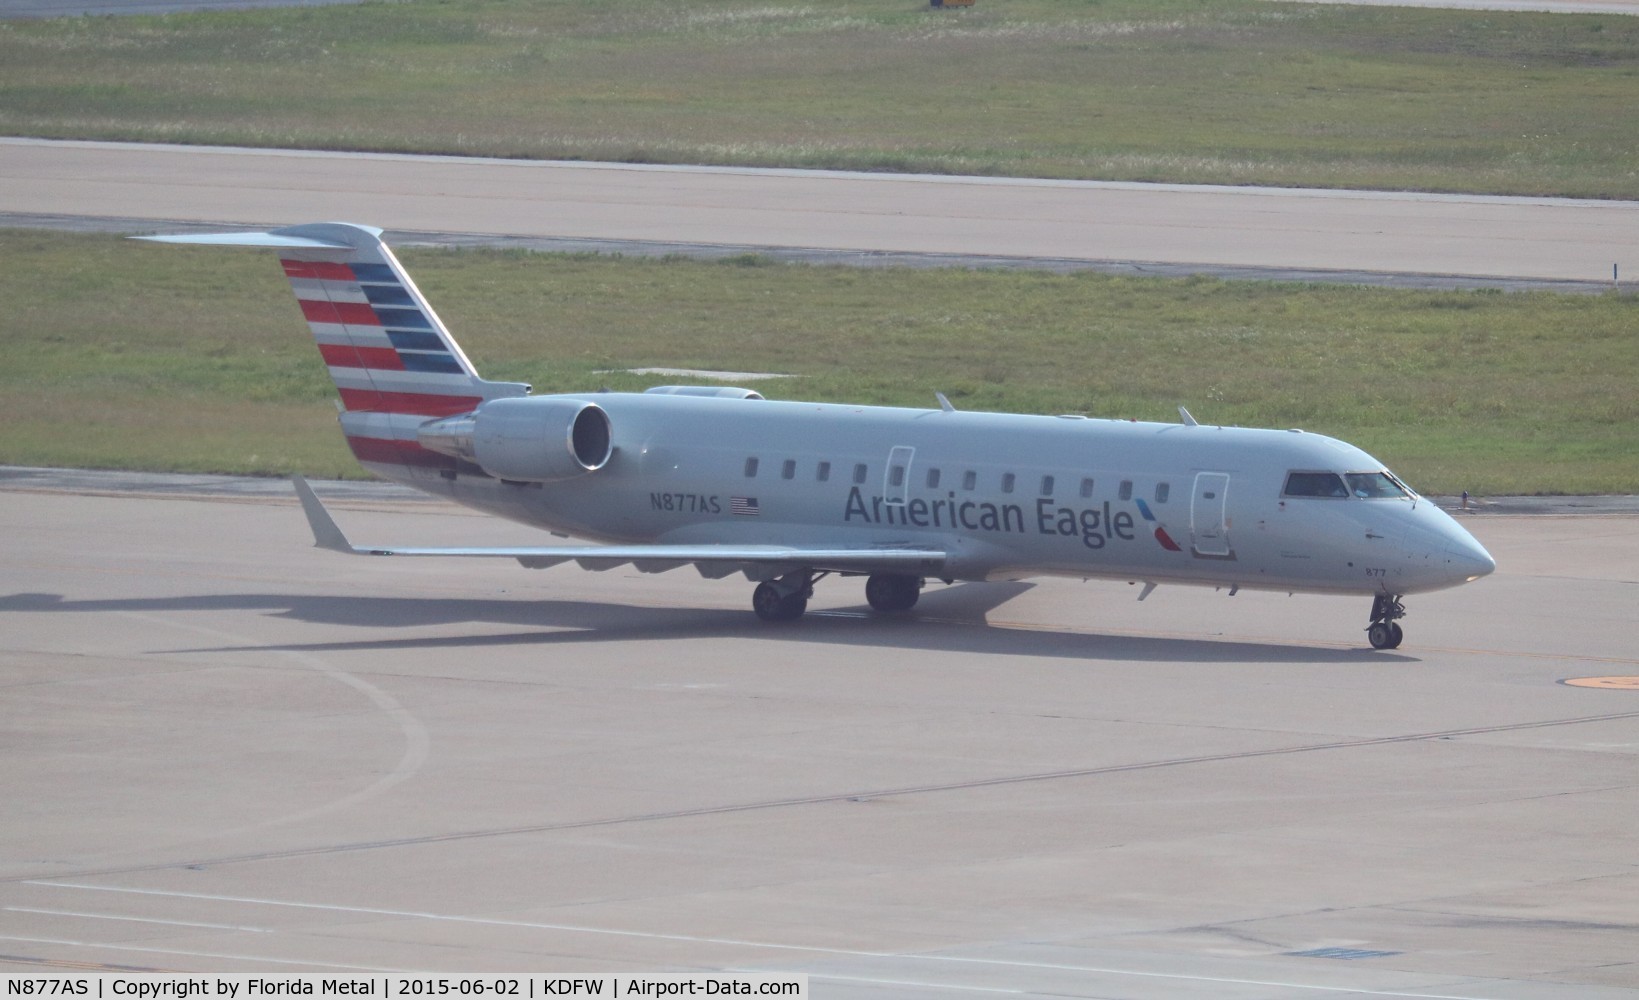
1384, 632
772, 605
892, 591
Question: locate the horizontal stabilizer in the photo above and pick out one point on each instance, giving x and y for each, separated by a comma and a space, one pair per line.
275, 239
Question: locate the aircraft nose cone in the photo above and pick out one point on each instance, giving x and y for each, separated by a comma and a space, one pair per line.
1469, 558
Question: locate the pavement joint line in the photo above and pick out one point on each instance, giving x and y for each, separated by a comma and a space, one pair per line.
836, 798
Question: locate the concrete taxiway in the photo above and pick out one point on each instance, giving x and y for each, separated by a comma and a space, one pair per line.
1143, 227
225, 750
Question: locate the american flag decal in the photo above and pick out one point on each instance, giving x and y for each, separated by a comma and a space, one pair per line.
743, 505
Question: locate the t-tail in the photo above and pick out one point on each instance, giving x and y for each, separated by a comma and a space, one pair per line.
394, 363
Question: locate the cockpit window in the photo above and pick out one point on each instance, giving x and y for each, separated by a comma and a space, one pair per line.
1360, 485
1376, 486
1315, 484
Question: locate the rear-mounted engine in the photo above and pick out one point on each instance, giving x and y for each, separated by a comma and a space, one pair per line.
535, 439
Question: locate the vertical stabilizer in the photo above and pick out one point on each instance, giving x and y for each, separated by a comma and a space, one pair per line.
394, 363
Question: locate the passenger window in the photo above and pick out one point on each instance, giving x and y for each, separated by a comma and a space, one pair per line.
896, 475
751, 468
789, 469
970, 480
933, 479
1086, 489
859, 473
1126, 489
1315, 484
1007, 482
1046, 486
1162, 491
823, 472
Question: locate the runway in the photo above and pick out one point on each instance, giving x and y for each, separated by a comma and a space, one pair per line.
1139, 227
228, 751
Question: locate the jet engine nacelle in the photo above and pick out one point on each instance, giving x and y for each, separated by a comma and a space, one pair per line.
532, 439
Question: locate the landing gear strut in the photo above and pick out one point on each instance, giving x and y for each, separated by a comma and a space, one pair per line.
784, 599
1384, 632
892, 591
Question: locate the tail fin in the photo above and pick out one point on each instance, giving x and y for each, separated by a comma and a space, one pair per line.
393, 361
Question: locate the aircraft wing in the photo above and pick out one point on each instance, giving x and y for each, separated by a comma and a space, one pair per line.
712, 561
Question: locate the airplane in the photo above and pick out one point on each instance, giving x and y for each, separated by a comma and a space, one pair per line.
788, 493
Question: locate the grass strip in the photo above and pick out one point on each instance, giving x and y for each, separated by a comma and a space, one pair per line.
115, 354
1218, 91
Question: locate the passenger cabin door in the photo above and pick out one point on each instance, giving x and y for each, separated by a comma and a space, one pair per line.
897, 480
1208, 531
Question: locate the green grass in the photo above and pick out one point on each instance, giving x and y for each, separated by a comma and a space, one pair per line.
1226, 91
118, 354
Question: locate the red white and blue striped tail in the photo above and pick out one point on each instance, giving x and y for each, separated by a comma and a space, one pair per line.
393, 361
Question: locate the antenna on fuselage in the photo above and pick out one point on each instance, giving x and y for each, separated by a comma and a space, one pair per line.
1189, 421
944, 404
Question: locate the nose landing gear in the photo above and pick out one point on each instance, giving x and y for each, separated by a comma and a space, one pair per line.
1384, 632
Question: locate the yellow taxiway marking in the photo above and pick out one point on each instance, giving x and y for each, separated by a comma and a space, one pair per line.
1609, 683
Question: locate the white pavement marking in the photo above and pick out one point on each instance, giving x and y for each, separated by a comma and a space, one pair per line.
416, 740
769, 945
137, 920
71, 943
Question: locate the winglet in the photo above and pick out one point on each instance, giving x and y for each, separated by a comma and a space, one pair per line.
326, 535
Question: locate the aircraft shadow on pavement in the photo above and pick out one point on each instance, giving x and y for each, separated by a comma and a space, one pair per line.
950, 619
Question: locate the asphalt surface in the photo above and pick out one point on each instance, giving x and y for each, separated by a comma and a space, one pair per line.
1449, 241
849, 258
224, 750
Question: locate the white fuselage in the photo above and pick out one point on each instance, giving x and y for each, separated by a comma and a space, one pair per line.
1006, 496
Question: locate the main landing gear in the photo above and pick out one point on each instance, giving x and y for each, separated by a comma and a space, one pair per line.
1384, 632
892, 591
785, 599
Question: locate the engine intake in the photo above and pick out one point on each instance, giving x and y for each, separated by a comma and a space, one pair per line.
532, 439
